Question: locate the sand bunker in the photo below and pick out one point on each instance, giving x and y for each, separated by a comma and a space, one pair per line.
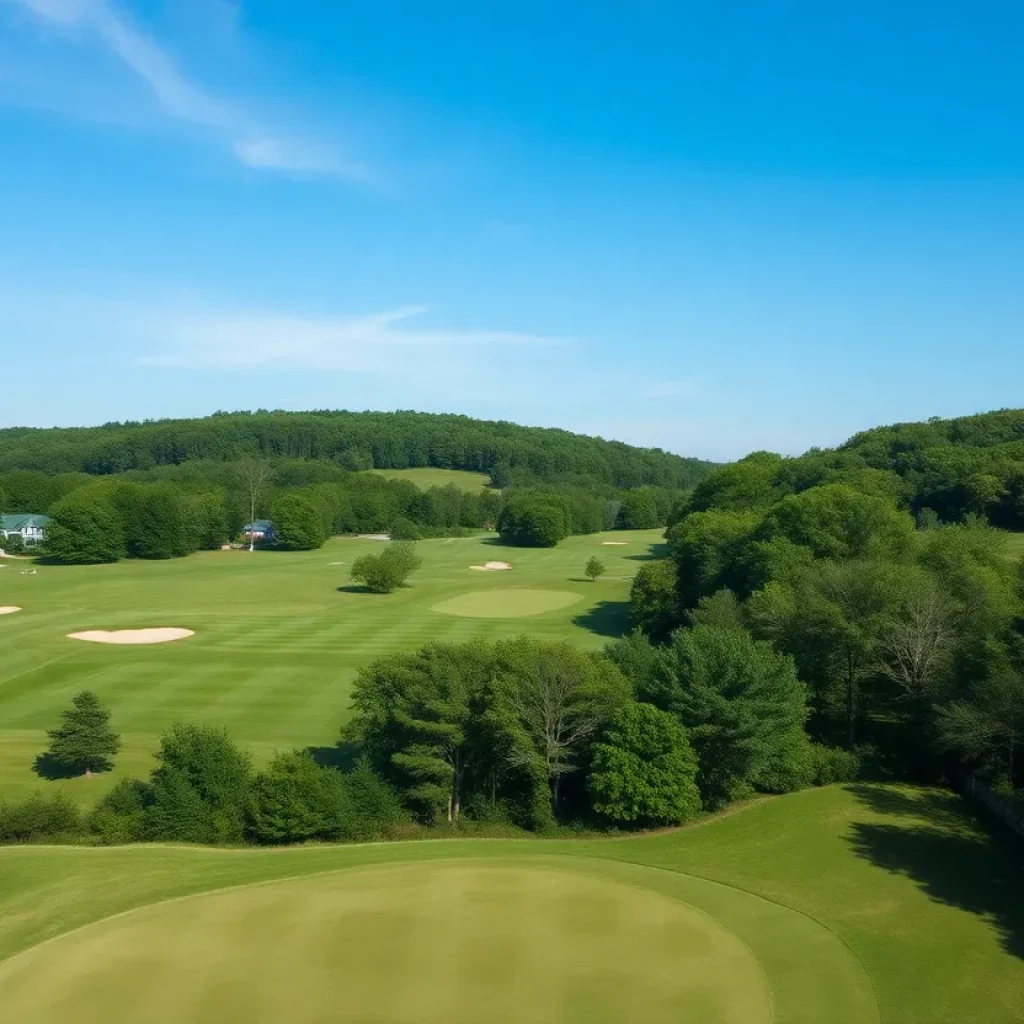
492, 567
9, 609
161, 635
373, 536
615, 543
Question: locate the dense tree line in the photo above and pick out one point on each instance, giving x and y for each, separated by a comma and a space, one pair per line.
353, 440
946, 469
907, 632
519, 734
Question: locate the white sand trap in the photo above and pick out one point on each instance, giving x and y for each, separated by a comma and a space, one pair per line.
161, 635
373, 536
615, 543
9, 609
492, 567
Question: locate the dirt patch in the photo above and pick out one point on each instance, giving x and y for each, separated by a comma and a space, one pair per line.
492, 567
614, 543
158, 635
9, 609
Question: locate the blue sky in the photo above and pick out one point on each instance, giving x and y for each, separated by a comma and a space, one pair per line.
708, 227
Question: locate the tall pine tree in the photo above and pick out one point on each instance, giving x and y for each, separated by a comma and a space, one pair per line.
84, 742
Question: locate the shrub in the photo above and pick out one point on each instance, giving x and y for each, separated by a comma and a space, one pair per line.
14, 544
834, 764
644, 771
40, 818
295, 799
120, 816
387, 571
376, 808
404, 529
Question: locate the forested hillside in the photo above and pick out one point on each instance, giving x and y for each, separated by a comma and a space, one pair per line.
880, 570
355, 440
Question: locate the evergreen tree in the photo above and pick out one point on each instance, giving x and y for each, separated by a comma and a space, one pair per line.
84, 742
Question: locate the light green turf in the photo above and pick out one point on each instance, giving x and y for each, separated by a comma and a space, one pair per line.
507, 604
504, 941
277, 643
861, 904
426, 477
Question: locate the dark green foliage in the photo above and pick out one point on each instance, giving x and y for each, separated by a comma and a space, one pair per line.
200, 791
405, 529
294, 800
84, 742
353, 440
151, 519
40, 819
421, 715
387, 571
644, 770
84, 529
654, 599
204, 519
13, 545
741, 704
120, 816
721, 609
298, 522
639, 511
376, 807
834, 764
533, 521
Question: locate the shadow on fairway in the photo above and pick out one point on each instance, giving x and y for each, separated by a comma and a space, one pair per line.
342, 755
949, 853
47, 768
656, 552
606, 618
354, 588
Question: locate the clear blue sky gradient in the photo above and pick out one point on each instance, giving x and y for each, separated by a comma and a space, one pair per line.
709, 227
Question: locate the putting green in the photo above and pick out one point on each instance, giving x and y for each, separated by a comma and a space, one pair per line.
456, 941
512, 603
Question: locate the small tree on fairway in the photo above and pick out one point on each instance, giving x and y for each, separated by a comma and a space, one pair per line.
387, 571
84, 742
595, 568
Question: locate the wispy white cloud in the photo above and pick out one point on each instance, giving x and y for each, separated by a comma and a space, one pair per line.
375, 343
101, 22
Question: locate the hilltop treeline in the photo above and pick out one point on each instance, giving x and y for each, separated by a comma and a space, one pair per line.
943, 468
354, 440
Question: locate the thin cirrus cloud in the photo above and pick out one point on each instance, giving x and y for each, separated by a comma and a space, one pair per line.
179, 98
376, 343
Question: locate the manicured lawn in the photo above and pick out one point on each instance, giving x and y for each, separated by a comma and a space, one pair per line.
426, 477
277, 642
845, 905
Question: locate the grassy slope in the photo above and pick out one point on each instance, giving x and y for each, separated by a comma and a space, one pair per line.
904, 877
276, 646
427, 476
1015, 544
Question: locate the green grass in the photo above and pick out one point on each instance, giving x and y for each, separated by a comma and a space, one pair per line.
845, 905
428, 476
277, 643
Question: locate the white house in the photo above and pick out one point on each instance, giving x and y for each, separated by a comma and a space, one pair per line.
30, 528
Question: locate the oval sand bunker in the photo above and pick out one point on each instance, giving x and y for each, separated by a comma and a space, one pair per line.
506, 604
9, 609
160, 635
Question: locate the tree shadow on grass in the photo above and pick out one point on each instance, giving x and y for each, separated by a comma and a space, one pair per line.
343, 755
657, 552
47, 767
354, 588
606, 618
955, 857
